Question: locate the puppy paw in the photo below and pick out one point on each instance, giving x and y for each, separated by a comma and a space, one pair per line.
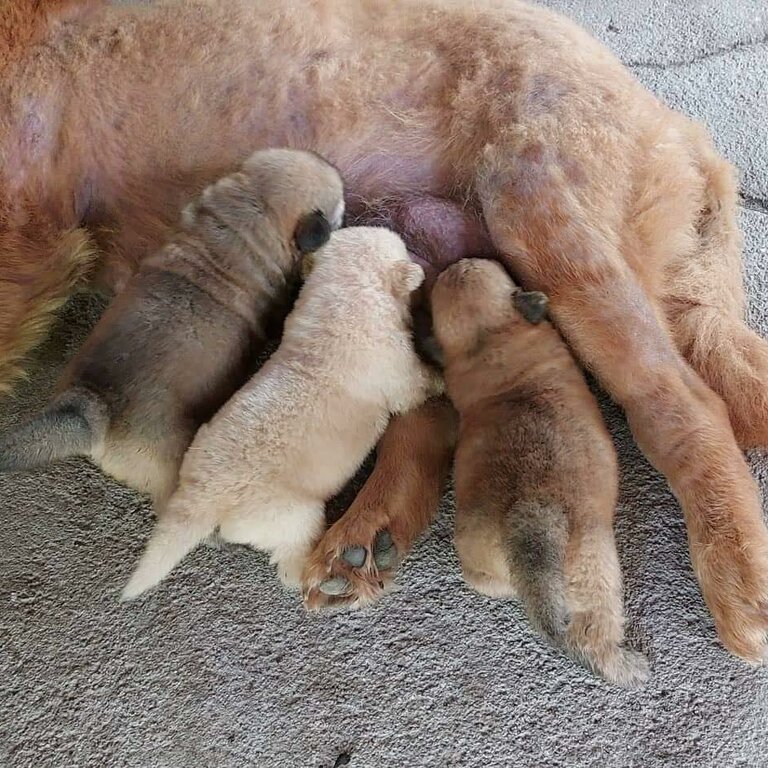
617, 665
290, 569
595, 638
342, 574
630, 670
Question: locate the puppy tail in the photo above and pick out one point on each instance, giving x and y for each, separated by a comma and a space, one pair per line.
70, 426
176, 534
537, 534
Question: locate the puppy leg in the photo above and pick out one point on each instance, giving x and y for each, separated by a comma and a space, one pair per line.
356, 559
291, 555
681, 425
704, 303
594, 599
480, 545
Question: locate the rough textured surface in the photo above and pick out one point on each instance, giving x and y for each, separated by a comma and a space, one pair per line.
221, 668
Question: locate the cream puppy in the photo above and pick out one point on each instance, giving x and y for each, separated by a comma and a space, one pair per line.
263, 468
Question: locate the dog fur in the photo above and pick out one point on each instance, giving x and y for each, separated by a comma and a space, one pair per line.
354, 563
262, 469
592, 191
536, 474
179, 339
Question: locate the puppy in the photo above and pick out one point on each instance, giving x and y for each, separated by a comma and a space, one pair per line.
264, 467
535, 469
178, 341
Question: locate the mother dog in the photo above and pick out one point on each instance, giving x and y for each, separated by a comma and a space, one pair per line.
591, 191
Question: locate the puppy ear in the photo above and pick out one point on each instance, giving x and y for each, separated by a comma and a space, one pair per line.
532, 305
312, 232
307, 262
406, 277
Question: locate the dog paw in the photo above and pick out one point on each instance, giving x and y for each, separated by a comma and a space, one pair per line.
734, 582
340, 574
742, 625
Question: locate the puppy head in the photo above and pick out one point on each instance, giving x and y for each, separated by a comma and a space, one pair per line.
284, 200
475, 297
301, 191
371, 256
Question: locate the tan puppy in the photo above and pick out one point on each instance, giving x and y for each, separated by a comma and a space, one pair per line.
178, 341
535, 469
264, 467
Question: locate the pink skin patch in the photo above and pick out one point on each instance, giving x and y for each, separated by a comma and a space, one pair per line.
35, 134
436, 232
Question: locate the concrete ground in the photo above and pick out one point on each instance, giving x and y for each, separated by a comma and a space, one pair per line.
222, 668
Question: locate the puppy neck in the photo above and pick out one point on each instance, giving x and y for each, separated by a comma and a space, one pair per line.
512, 356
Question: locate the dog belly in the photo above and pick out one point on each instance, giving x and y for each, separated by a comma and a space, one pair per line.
436, 231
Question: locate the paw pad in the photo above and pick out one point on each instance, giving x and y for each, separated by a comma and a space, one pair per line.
355, 556
338, 585
384, 551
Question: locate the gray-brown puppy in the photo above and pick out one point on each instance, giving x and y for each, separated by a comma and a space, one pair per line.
177, 343
535, 469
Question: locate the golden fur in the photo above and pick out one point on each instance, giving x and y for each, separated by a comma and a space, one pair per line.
592, 191
262, 469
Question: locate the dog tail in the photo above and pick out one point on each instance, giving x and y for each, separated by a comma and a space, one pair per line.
179, 530
68, 427
537, 534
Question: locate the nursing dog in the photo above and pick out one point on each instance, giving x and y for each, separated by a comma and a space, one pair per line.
535, 470
179, 339
591, 190
263, 468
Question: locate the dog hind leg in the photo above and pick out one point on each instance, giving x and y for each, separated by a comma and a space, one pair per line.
189, 519
703, 300
72, 426
548, 236
595, 605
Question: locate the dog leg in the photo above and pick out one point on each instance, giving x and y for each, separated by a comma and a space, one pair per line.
355, 561
704, 303
480, 545
552, 241
36, 281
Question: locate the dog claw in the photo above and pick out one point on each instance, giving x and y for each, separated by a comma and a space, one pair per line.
355, 556
384, 550
338, 585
